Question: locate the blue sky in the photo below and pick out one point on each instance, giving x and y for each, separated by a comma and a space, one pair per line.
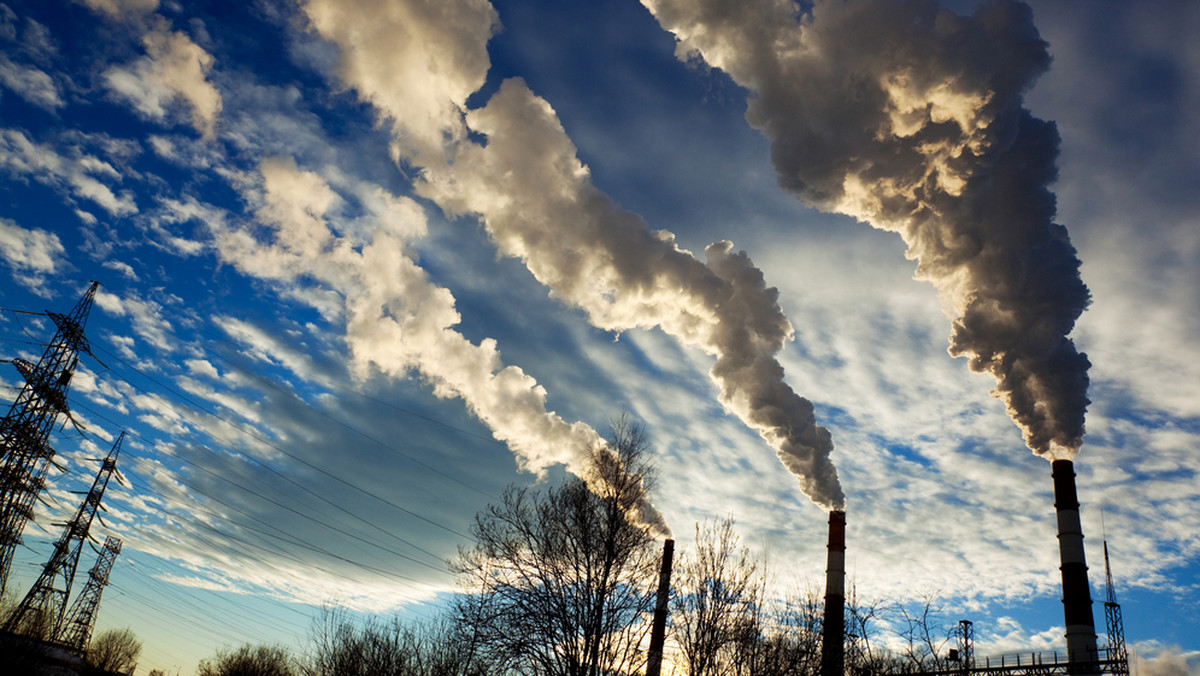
364, 265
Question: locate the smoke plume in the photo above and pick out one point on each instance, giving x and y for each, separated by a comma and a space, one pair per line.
398, 321
910, 117
538, 204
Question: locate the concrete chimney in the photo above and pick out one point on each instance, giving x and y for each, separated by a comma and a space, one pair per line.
658, 630
1077, 596
834, 625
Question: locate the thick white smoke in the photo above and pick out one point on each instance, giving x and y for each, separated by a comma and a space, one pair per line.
910, 117
398, 321
538, 204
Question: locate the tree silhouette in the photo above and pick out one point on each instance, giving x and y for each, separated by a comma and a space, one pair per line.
561, 582
715, 610
377, 648
115, 650
248, 660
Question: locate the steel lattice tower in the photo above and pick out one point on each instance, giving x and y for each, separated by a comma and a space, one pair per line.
76, 631
47, 600
25, 451
1113, 624
966, 645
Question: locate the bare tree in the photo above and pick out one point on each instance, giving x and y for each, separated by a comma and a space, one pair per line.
376, 648
561, 582
863, 656
717, 609
924, 638
728, 624
8, 605
790, 643
248, 660
115, 650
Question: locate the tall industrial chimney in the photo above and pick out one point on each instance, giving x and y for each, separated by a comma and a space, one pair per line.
1077, 597
658, 630
834, 625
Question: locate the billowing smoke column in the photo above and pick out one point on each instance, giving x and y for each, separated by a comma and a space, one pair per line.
397, 320
417, 66
910, 117
833, 627
539, 205
1077, 596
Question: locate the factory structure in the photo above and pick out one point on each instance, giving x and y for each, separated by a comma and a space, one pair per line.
45, 618
1083, 655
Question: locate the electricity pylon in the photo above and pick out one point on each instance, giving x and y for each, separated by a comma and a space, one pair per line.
44, 605
1112, 619
25, 452
76, 631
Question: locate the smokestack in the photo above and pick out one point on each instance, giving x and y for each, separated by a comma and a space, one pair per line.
658, 630
832, 648
1077, 597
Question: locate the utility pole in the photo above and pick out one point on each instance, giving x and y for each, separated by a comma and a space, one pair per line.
25, 452
47, 600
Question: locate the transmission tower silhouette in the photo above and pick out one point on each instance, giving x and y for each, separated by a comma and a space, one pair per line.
76, 631
44, 605
1112, 620
25, 431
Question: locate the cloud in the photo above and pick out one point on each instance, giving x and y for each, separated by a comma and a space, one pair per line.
79, 175
174, 68
33, 84
147, 316
32, 254
1151, 658
123, 269
203, 367
263, 345
918, 437
122, 8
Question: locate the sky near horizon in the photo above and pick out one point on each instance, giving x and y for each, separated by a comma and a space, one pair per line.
364, 264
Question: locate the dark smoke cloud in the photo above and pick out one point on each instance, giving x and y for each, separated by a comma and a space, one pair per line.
910, 117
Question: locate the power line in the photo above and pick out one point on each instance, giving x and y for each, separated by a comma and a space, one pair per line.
293, 482
290, 509
269, 443
285, 538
